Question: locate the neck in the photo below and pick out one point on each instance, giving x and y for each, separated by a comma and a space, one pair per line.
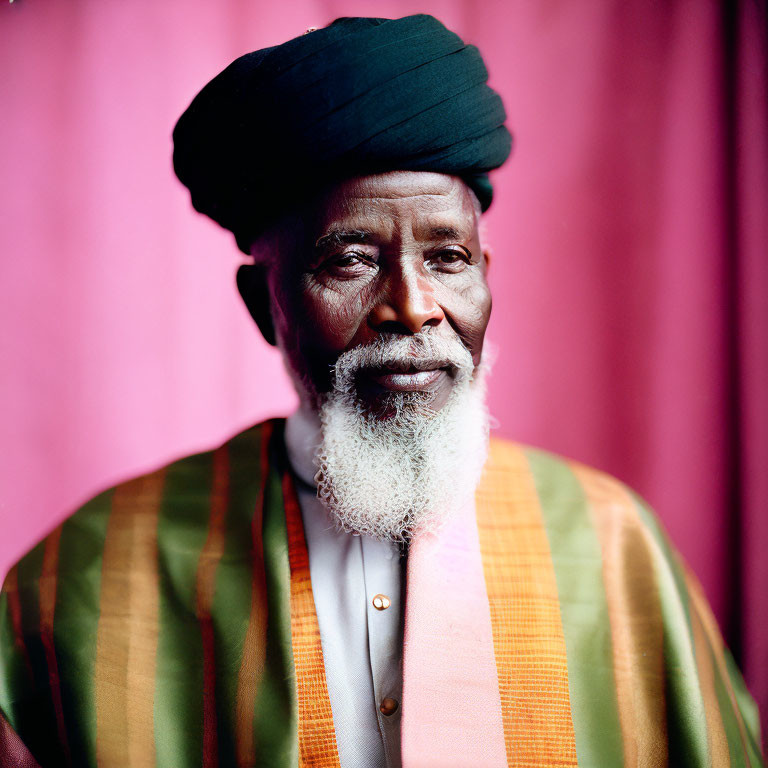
302, 437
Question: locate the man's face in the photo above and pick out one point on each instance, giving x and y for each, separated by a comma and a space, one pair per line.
396, 253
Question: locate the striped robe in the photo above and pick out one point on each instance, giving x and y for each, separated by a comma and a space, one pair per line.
170, 622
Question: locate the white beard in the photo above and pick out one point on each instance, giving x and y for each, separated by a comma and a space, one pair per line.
411, 471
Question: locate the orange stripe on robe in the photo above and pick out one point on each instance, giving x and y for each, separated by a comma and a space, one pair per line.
126, 644
525, 614
317, 737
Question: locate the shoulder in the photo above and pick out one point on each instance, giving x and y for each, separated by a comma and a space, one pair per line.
596, 527
569, 494
625, 597
136, 557
591, 521
173, 490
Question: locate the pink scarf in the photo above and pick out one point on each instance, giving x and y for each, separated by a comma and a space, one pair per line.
451, 703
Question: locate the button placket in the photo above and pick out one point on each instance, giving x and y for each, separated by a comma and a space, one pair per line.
383, 577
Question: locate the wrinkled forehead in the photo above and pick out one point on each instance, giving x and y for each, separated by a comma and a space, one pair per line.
417, 201
407, 196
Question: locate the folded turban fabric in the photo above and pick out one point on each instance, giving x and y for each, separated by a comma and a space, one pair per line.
358, 97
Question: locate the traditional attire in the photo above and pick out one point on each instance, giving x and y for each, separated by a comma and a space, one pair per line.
171, 622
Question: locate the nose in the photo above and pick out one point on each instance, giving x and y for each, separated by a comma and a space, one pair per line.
407, 306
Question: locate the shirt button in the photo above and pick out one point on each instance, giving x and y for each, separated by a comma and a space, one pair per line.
388, 706
381, 603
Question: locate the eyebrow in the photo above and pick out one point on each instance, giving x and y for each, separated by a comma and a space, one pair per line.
444, 233
337, 237
342, 237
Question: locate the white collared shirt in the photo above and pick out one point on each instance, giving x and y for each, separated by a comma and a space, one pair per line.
358, 587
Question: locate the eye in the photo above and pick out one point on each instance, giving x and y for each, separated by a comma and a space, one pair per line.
450, 259
350, 264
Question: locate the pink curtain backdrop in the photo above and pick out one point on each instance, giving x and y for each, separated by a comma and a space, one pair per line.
630, 262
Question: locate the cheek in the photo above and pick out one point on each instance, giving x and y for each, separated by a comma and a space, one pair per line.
477, 321
468, 309
477, 300
332, 316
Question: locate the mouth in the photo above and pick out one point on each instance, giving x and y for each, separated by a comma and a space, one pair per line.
406, 379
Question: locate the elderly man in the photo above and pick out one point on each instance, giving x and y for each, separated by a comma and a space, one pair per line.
369, 583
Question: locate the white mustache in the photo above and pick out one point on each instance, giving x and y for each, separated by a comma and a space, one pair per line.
422, 352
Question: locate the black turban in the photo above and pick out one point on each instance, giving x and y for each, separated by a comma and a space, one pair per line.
358, 97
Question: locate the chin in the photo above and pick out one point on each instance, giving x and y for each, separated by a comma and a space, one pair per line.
387, 406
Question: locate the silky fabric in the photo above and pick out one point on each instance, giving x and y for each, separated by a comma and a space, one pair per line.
171, 621
451, 704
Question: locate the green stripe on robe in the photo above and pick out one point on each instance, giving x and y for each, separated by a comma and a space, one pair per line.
577, 561
686, 720
36, 713
15, 678
76, 617
232, 596
13, 671
181, 534
276, 718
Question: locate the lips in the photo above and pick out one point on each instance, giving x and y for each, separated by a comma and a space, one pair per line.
406, 381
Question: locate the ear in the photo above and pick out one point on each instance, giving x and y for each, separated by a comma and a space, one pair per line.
254, 290
487, 256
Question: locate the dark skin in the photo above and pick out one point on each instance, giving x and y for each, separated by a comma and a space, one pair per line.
398, 253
